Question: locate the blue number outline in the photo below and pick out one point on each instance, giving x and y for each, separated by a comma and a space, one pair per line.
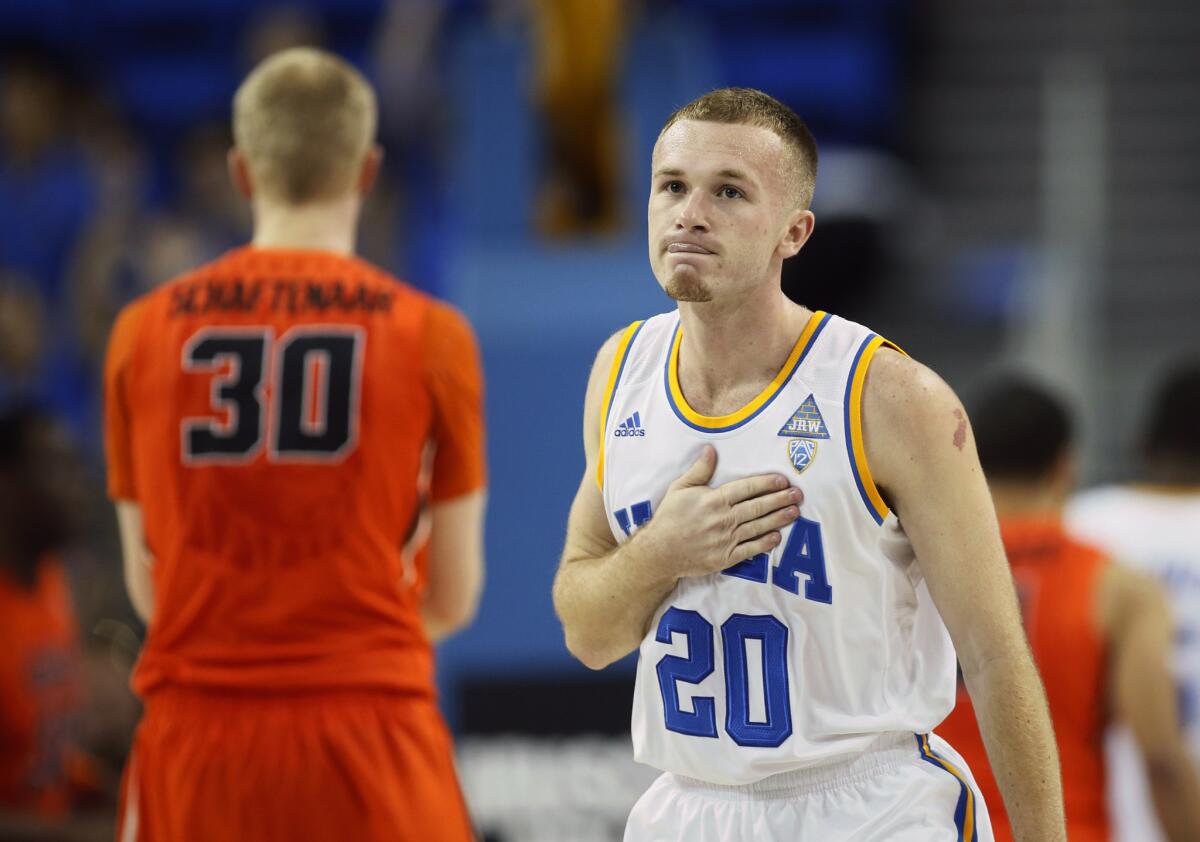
773, 635
693, 669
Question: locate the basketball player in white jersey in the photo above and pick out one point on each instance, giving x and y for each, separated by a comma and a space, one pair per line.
1154, 526
749, 466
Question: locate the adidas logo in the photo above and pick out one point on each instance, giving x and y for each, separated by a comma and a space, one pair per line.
631, 426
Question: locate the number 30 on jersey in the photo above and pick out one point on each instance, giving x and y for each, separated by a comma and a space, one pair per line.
315, 372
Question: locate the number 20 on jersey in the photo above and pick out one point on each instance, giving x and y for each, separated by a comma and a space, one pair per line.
802, 556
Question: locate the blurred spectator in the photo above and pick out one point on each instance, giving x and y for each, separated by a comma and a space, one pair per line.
578, 54
22, 329
1171, 442
1154, 525
37, 364
402, 213
45, 189
1100, 632
206, 195
278, 27
130, 247
49, 788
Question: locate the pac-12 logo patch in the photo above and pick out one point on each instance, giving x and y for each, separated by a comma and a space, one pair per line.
806, 422
801, 452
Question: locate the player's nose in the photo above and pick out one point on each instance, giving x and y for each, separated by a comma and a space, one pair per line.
693, 212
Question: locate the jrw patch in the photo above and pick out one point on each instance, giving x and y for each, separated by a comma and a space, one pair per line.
806, 422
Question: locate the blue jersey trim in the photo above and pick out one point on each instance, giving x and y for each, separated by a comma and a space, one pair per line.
966, 795
620, 371
862, 489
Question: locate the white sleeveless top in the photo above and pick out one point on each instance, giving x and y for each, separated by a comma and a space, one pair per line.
802, 656
1158, 532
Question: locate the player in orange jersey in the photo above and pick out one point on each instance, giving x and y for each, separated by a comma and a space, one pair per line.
268, 418
1100, 632
48, 786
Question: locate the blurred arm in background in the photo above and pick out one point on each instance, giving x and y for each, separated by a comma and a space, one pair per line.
453, 475
455, 577
1142, 695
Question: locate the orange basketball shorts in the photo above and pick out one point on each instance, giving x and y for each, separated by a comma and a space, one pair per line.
361, 765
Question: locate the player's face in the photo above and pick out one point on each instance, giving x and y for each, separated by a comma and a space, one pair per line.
719, 209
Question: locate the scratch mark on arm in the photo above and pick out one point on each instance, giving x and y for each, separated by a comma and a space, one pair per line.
960, 432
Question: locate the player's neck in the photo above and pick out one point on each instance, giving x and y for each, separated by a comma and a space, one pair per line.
727, 347
1020, 500
321, 226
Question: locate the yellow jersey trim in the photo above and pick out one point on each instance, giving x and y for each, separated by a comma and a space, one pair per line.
614, 376
722, 423
968, 825
862, 471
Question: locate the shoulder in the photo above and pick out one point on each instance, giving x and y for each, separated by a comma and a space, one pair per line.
916, 435
445, 323
1134, 587
607, 352
449, 347
127, 327
1128, 595
615, 350
905, 399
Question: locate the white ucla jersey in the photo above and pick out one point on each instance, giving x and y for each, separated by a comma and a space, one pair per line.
800, 656
1157, 532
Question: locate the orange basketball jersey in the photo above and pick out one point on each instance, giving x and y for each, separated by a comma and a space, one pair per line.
270, 412
1057, 581
40, 693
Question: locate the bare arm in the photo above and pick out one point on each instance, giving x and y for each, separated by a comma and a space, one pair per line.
1142, 695
455, 564
920, 447
606, 595
136, 559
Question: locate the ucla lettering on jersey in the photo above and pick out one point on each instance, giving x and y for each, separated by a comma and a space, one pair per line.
789, 658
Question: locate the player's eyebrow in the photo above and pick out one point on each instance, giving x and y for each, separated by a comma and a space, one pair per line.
736, 175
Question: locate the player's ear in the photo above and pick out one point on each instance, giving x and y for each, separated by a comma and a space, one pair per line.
1065, 473
800, 228
239, 172
372, 162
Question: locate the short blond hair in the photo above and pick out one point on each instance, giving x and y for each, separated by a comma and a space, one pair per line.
304, 119
751, 107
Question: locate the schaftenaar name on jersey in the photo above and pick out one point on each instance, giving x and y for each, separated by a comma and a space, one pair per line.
196, 298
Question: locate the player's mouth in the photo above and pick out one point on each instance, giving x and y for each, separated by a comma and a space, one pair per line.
683, 247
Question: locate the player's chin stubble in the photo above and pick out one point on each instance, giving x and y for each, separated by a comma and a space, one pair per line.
685, 285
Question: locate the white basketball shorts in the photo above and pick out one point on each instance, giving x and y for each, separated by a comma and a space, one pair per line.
905, 788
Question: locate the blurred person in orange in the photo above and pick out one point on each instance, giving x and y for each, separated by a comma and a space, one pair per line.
267, 419
1153, 524
49, 787
1100, 632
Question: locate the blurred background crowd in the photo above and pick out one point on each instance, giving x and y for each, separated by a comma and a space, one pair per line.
1000, 186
